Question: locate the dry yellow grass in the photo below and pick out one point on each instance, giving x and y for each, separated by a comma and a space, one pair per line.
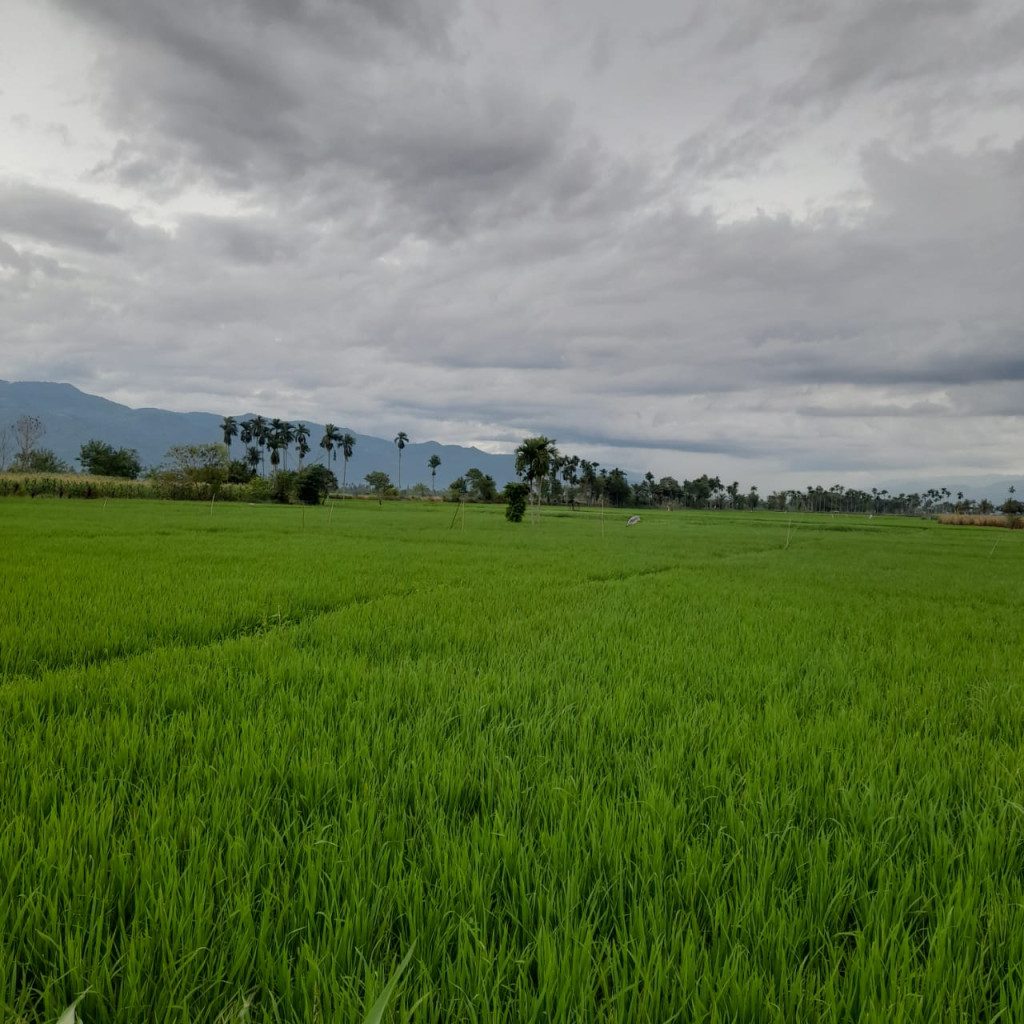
1007, 522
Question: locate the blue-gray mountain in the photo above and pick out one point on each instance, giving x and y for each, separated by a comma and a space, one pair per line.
72, 417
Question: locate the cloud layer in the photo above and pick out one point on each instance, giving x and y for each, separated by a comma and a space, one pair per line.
772, 243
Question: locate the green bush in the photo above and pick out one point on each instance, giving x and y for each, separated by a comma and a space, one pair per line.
314, 483
515, 502
42, 460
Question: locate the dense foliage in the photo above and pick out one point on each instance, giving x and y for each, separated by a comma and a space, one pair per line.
39, 460
102, 459
515, 502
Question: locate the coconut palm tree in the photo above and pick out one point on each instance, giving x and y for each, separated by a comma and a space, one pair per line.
302, 442
230, 429
533, 460
258, 425
283, 435
588, 475
346, 443
554, 468
328, 441
433, 462
402, 439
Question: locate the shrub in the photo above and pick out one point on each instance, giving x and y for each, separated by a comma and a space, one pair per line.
41, 460
515, 502
279, 487
314, 483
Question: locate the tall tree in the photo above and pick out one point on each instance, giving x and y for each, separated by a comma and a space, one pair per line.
283, 435
401, 439
331, 437
259, 435
649, 489
229, 428
433, 462
570, 464
616, 488
554, 487
28, 431
533, 460
588, 475
302, 442
347, 444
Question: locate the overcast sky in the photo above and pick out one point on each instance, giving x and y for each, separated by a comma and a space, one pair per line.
781, 241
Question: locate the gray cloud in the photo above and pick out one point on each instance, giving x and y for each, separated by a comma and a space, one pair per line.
62, 219
295, 98
448, 217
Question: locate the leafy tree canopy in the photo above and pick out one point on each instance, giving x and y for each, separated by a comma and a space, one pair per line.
197, 467
241, 471
314, 483
39, 460
102, 459
380, 482
481, 485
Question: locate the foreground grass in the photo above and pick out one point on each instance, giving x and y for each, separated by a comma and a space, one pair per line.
718, 768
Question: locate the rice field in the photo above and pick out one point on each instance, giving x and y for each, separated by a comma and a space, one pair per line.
715, 767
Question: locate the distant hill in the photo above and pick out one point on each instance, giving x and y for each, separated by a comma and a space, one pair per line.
72, 417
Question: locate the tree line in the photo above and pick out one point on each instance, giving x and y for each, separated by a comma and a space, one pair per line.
555, 478
276, 436
551, 477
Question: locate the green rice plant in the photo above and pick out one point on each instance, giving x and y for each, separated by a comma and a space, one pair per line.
673, 772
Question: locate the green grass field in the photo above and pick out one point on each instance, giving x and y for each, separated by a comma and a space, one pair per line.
717, 767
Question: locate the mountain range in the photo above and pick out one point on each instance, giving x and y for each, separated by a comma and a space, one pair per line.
72, 417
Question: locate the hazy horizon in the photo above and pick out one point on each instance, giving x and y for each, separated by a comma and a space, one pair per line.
992, 486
